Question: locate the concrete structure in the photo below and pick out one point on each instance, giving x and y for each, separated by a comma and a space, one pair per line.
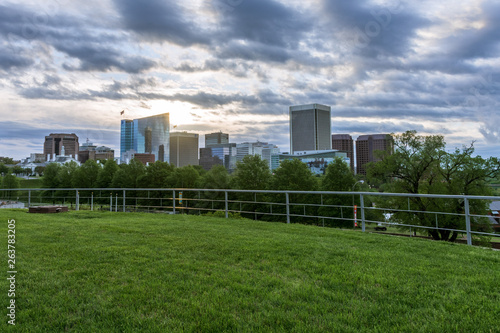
366, 147
37, 157
88, 151
344, 142
216, 139
184, 149
310, 127
317, 160
149, 135
55, 142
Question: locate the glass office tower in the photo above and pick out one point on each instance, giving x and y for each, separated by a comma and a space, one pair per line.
146, 135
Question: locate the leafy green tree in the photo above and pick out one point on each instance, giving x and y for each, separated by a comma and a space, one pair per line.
40, 170
86, 175
216, 178
50, 178
4, 169
252, 173
420, 165
17, 170
66, 174
9, 181
7, 160
158, 175
294, 175
106, 173
184, 177
129, 175
338, 177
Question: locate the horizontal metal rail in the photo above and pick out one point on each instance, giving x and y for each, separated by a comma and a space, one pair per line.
291, 206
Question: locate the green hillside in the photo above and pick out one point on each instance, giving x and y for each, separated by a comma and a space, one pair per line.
126, 272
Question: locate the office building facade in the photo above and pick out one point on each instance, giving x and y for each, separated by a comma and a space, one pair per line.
344, 142
184, 149
58, 143
317, 160
216, 139
310, 127
149, 135
367, 147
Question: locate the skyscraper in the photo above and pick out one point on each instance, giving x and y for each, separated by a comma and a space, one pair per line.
310, 127
343, 142
54, 143
146, 135
216, 139
184, 148
366, 147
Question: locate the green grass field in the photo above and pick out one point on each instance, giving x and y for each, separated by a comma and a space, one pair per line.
128, 272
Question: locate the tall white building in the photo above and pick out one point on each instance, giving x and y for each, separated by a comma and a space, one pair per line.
310, 127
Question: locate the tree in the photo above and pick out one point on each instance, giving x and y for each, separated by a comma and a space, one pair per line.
129, 175
184, 177
40, 170
338, 177
216, 178
17, 170
158, 175
10, 181
86, 175
7, 160
50, 179
293, 175
106, 173
4, 169
252, 173
420, 165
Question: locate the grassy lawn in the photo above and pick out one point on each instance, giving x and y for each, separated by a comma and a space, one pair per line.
128, 272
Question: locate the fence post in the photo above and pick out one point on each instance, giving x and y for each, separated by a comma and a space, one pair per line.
362, 204
173, 200
77, 205
287, 208
116, 202
467, 221
124, 201
92, 202
29, 198
226, 203
111, 202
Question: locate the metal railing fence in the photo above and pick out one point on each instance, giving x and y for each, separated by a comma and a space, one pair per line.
459, 214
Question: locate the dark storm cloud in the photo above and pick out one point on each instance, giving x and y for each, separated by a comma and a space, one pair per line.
10, 60
160, 20
91, 43
483, 42
375, 30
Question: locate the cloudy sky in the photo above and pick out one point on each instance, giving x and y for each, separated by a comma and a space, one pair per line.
237, 65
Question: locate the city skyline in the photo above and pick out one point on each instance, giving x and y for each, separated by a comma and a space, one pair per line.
237, 66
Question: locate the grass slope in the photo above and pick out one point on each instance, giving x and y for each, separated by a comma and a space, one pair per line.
125, 272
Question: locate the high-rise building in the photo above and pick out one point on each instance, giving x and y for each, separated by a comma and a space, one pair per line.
216, 139
56, 143
220, 154
184, 148
310, 127
149, 135
366, 147
344, 142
